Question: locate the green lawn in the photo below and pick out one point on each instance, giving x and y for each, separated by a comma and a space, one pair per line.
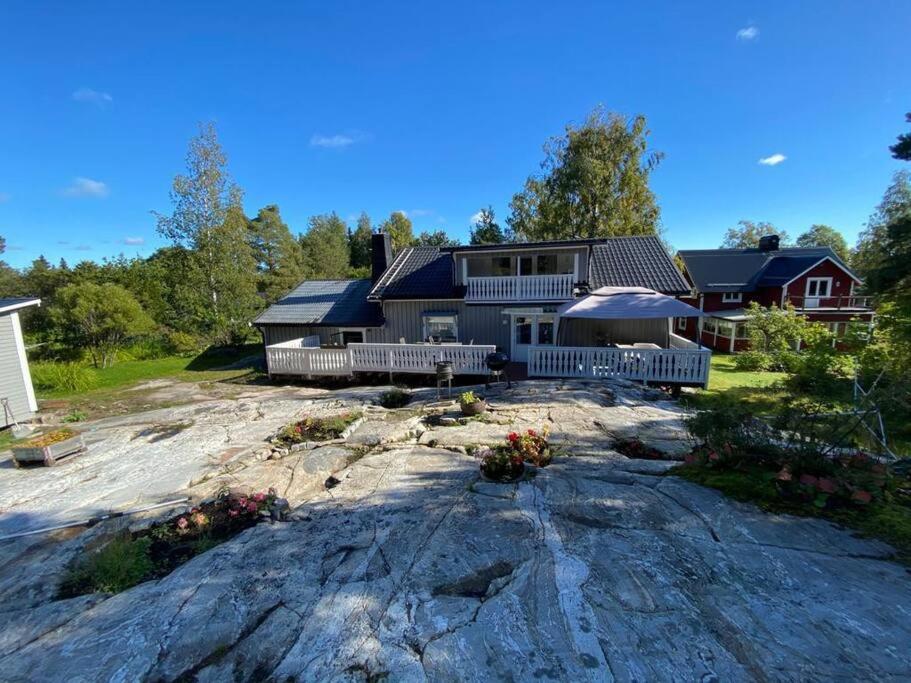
207, 367
762, 390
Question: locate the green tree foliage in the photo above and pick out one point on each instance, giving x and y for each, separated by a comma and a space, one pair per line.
871, 251
902, 148
486, 230
280, 262
208, 220
100, 318
10, 280
398, 227
593, 183
747, 234
359, 243
325, 247
824, 236
774, 330
437, 238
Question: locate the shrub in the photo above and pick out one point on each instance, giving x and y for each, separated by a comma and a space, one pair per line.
394, 398
316, 428
466, 398
63, 377
183, 343
750, 361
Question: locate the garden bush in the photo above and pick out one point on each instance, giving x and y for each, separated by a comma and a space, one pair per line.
506, 462
394, 398
751, 361
316, 428
152, 553
63, 377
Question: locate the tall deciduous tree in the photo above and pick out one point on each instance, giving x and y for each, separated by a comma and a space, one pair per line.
870, 252
398, 227
593, 183
486, 230
437, 238
359, 243
279, 258
902, 148
208, 220
748, 233
326, 247
100, 318
824, 236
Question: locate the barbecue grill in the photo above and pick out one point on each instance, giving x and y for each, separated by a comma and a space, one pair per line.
496, 368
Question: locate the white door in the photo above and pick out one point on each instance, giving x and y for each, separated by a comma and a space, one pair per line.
817, 288
523, 329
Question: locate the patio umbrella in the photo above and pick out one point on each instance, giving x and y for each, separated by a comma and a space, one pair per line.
625, 303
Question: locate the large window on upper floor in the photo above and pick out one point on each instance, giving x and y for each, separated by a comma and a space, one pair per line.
732, 297
555, 263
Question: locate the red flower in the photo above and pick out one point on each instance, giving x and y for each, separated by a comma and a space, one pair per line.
531, 432
861, 496
826, 485
512, 437
713, 456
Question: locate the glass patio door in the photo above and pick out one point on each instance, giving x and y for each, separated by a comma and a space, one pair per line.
530, 330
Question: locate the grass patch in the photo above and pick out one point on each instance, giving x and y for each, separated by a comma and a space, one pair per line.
212, 365
762, 391
121, 564
888, 521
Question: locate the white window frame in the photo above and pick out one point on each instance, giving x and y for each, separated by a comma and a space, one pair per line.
732, 297
340, 331
681, 324
426, 316
827, 295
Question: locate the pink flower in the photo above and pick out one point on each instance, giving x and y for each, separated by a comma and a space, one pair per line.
251, 507
861, 496
233, 513
242, 502
182, 523
808, 479
259, 497
532, 432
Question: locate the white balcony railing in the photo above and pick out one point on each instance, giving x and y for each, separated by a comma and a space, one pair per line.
675, 366
293, 358
521, 288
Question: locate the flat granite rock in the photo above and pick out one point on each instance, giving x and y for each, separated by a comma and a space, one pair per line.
411, 568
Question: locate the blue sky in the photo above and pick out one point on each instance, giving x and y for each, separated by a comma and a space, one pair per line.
439, 109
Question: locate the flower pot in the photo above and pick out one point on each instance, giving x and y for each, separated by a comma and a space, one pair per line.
475, 408
515, 475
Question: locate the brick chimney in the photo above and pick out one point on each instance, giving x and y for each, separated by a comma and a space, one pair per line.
380, 254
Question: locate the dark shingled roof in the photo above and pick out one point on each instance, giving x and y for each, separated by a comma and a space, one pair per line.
640, 261
325, 303
418, 273
743, 270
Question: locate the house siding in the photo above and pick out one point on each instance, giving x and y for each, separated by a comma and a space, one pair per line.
841, 283
276, 334
483, 324
15, 381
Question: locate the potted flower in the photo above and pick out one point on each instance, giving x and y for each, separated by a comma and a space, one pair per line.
507, 462
471, 404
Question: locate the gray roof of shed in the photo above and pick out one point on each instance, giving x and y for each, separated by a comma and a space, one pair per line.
16, 302
743, 270
638, 261
325, 303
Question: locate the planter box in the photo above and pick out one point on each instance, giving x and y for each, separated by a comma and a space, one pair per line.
48, 455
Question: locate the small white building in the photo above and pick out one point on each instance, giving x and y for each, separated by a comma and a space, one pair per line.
17, 397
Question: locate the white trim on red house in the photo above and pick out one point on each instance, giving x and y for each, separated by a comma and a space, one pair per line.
847, 272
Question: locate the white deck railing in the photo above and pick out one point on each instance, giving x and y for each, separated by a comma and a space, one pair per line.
678, 366
678, 342
291, 358
520, 288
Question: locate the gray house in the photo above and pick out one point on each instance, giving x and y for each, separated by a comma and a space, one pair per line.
460, 303
17, 397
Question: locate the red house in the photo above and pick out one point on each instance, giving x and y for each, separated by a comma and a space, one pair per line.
724, 281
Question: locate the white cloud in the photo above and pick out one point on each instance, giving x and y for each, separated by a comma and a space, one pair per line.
332, 141
90, 96
5, 197
134, 241
83, 247
86, 187
475, 217
773, 160
748, 33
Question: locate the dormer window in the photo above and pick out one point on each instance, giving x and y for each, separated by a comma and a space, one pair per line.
732, 297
